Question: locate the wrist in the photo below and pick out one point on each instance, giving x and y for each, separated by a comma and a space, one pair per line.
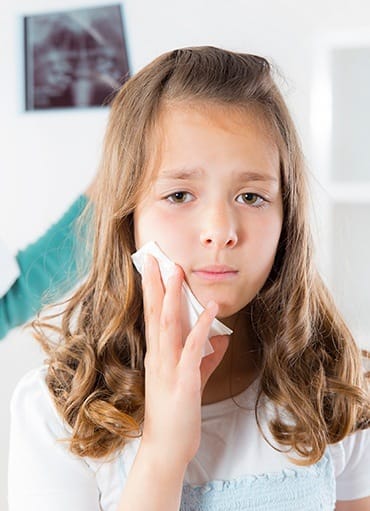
162, 460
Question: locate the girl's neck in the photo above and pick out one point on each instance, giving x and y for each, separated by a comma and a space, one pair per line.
239, 367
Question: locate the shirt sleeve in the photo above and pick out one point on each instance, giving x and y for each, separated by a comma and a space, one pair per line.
43, 474
47, 270
352, 466
9, 269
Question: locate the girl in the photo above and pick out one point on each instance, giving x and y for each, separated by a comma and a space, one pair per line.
201, 156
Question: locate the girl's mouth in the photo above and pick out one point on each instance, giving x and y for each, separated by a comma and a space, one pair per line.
216, 272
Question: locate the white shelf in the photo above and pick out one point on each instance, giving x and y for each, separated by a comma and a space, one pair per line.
340, 108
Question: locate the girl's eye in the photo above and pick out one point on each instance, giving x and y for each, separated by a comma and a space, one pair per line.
179, 197
252, 199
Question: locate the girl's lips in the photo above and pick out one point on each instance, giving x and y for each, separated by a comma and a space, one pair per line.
216, 273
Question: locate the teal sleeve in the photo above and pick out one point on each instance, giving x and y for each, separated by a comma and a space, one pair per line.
47, 266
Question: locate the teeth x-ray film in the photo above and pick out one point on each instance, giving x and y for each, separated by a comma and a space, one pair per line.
191, 308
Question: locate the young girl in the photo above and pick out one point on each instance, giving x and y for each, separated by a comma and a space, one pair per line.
201, 156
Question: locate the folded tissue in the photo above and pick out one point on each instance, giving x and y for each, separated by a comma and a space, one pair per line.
191, 308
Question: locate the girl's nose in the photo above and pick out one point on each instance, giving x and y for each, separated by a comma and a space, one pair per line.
218, 229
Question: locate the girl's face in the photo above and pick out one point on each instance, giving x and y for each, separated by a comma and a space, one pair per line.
215, 204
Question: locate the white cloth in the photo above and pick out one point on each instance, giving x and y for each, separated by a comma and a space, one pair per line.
43, 475
191, 308
9, 269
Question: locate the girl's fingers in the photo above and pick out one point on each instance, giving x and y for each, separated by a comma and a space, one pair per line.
153, 293
195, 342
170, 339
163, 326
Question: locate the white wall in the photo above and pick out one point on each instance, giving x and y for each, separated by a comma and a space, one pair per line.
47, 158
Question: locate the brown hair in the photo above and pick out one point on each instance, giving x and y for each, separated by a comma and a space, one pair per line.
310, 364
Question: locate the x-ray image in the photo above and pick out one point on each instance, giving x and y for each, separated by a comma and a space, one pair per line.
74, 58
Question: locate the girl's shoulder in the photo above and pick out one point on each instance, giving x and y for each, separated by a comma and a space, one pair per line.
32, 404
39, 439
31, 392
32, 386
351, 460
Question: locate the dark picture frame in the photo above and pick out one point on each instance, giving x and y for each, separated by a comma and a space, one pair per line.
75, 58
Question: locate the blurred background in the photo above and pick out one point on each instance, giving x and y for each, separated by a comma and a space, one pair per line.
322, 48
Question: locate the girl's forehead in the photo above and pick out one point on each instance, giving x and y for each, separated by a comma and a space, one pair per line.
180, 129
216, 113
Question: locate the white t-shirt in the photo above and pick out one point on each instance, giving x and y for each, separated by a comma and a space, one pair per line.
44, 475
9, 269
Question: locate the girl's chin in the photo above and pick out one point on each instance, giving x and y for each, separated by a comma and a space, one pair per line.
227, 312
225, 309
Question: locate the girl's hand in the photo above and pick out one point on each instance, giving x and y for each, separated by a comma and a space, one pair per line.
175, 374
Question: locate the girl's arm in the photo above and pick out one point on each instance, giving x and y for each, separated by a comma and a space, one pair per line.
175, 377
48, 265
153, 484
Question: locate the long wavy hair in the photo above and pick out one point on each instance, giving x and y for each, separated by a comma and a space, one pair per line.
310, 365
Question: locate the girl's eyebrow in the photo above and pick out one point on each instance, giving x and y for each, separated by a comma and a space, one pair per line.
251, 175
181, 174
244, 175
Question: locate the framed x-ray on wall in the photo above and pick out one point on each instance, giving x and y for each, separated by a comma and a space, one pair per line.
75, 58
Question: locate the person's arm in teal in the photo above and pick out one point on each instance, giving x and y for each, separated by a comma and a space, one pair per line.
47, 266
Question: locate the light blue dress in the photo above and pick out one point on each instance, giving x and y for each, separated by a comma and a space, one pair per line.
302, 489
